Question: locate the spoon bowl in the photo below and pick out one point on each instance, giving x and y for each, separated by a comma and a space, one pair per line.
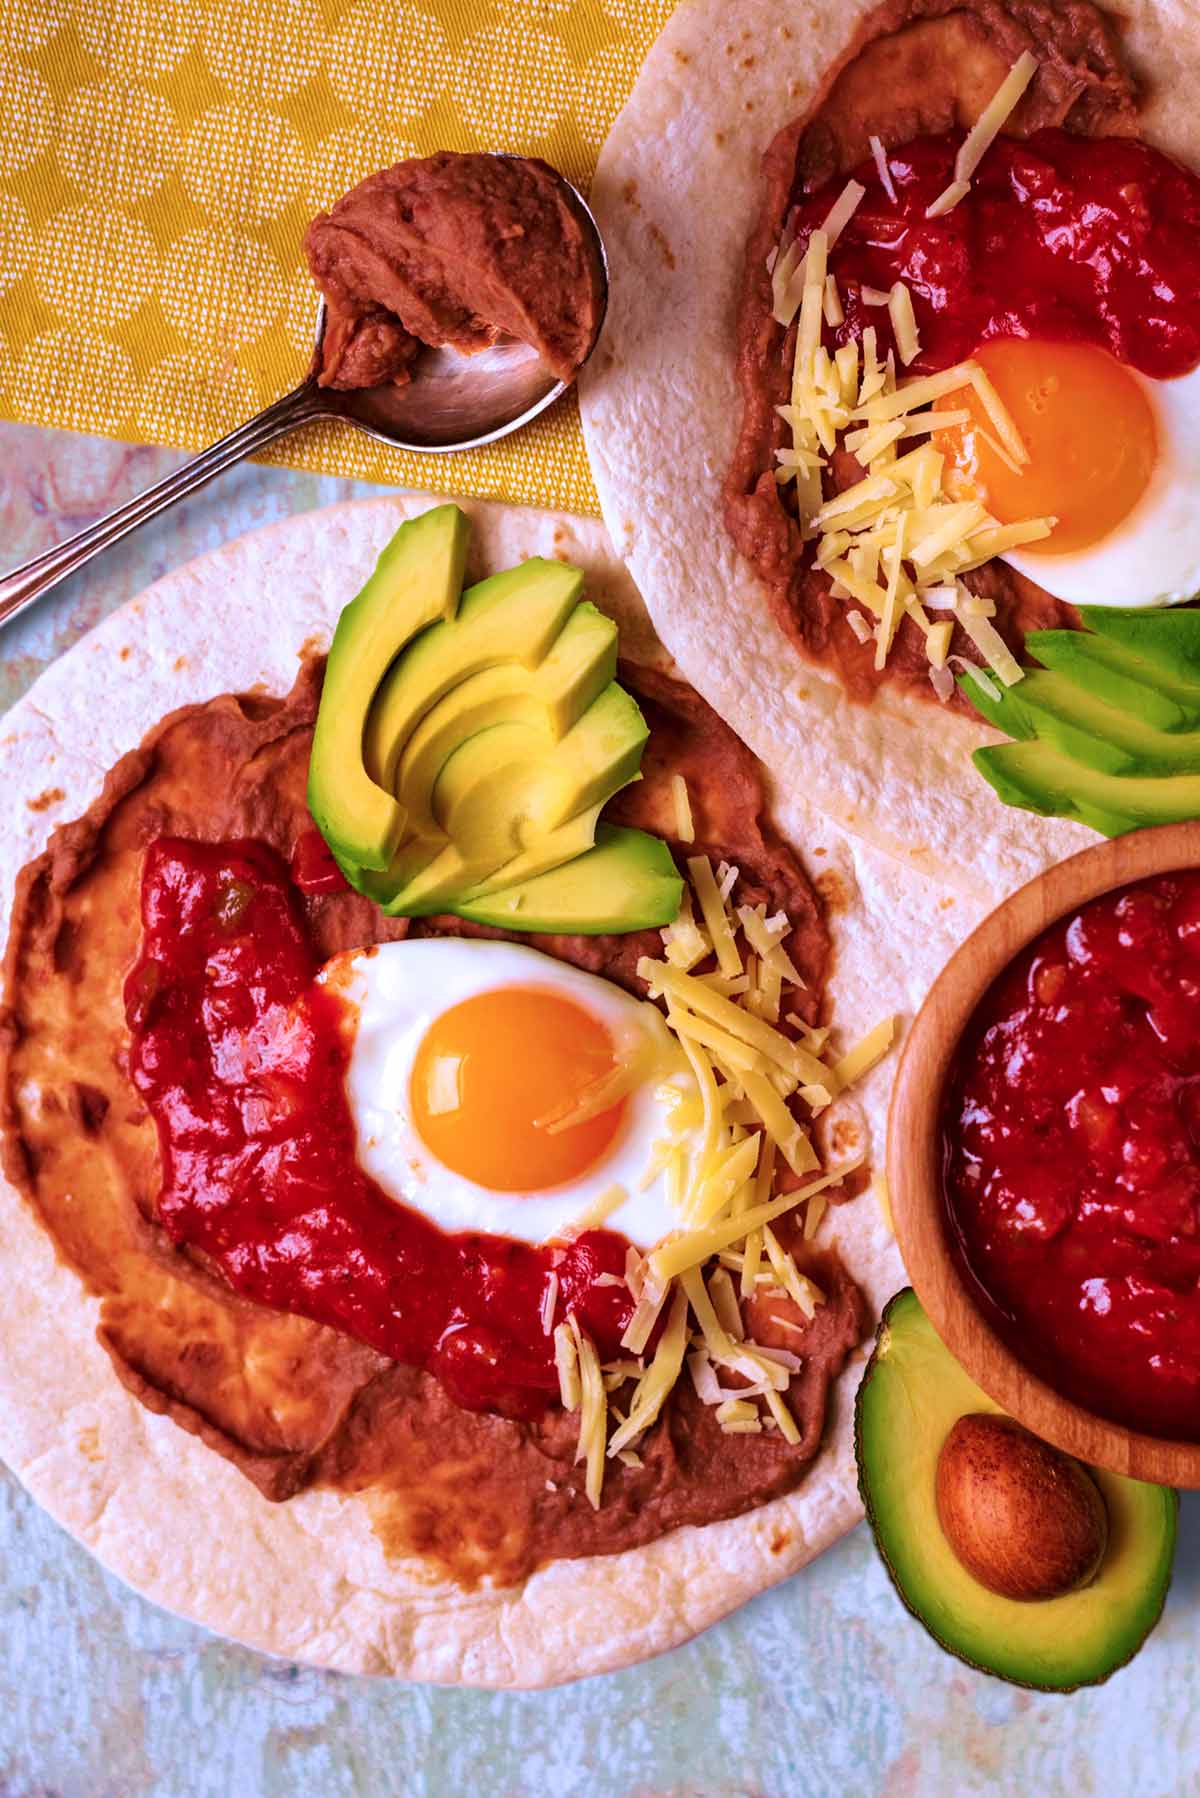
452, 402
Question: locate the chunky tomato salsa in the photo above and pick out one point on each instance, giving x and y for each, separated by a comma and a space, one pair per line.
1063, 237
1071, 1138
241, 1060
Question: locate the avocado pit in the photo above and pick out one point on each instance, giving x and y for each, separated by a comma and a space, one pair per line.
1027, 1521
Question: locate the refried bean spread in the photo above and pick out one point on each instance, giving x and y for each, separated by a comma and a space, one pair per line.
453, 250
281, 1381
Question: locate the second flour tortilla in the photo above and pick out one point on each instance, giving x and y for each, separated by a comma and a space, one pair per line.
677, 192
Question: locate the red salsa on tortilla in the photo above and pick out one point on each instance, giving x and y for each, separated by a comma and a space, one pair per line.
241, 1057
1061, 237
1071, 1138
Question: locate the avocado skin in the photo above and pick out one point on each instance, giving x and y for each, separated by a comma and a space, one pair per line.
903, 1317
1107, 730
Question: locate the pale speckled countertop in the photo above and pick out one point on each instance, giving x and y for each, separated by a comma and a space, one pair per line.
823, 1686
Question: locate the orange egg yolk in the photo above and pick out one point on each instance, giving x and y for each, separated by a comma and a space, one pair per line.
1088, 426
492, 1074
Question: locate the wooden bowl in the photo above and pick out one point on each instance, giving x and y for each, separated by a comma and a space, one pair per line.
914, 1154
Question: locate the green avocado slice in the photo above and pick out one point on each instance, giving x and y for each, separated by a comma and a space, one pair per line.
539, 781
627, 881
515, 616
451, 873
1083, 726
911, 1395
1168, 642
1040, 777
1108, 670
511, 793
553, 695
416, 581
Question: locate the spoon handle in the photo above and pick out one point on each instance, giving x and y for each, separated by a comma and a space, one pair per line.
23, 585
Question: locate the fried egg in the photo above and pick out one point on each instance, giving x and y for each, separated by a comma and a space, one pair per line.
1113, 456
465, 1058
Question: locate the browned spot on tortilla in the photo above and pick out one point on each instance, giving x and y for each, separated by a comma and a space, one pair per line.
45, 800
662, 246
719, 139
179, 664
629, 193
91, 1106
681, 56
125, 652
780, 1540
88, 1443
835, 893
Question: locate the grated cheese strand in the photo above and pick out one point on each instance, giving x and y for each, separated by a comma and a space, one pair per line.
566, 1361
595, 1215
783, 1417
679, 1252
904, 323
992, 119
883, 168
685, 829
651, 1391
863, 1056
549, 1302
984, 132
992, 647
716, 919
593, 1415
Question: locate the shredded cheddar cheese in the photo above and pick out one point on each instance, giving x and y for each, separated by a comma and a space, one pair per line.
904, 323
685, 829
593, 1415
984, 132
883, 168
735, 1110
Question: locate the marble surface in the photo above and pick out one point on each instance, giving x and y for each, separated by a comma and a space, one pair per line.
823, 1686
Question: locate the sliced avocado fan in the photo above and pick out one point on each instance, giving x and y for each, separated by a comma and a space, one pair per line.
466, 745
913, 1395
416, 580
1107, 730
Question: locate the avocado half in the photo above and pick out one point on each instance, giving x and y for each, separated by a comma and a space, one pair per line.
912, 1393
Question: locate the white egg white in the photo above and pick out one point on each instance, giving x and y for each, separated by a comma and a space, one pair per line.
394, 992
1152, 558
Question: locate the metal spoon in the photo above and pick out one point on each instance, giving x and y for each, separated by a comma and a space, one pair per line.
453, 402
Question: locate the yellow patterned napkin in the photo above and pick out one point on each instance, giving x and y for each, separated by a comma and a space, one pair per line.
159, 160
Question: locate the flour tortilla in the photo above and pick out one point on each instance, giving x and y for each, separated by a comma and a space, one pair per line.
308, 1579
677, 191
